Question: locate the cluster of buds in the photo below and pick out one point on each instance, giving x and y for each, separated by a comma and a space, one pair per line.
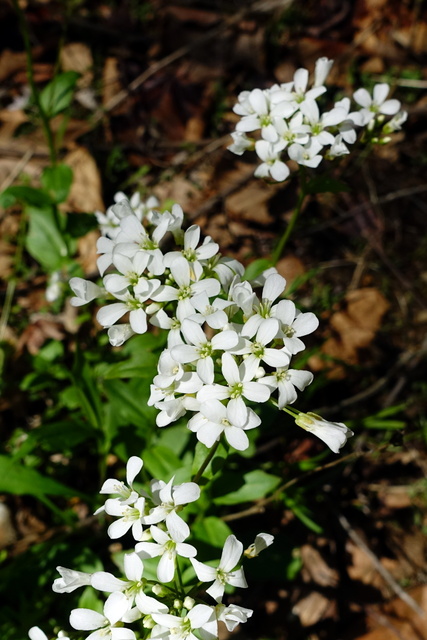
287, 119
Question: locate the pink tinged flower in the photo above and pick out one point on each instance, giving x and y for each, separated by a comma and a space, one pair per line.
261, 542
70, 580
232, 615
334, 434
271, 165
307, 155
104, 625
200, 618
169, 500
294, 324
285, 380
214, 419
168, 547
85, 291
131, 517
224, 573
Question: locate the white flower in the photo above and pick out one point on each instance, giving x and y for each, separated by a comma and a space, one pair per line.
273, 287
258, 349
133, 587
285, 380
35, 633
168, 547
321, 71
169, 499
213, 314
224, 573
262, 114
133, 237
232, 615
201, 349
85, 291
200, 618
126, 493
240, 143
377, 103
214, 418
261, 542
192, 253
239, 383
131, 517
307, 155
292, 131
334, 434
134, 304
318, 121
293, 325
396, 122
338, 148
271, 165
70, 580
104, 626
299, 94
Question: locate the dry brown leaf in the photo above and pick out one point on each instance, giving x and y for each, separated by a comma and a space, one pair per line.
7, 530
10, 62
396, 620
88, 253
111, 84
251, 203
85, 194
6, 259
313, 608
36, 334
315, 568
355, 327
290, 268
76, 56
9, 122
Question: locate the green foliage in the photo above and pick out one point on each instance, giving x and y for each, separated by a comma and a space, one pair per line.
58, 94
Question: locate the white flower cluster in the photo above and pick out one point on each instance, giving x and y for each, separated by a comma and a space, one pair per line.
288, 118
163, 609
226, 347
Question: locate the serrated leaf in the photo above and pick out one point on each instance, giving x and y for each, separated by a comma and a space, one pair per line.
44, 241
325, 184
58, 94
256, 484
57, 182
212, 531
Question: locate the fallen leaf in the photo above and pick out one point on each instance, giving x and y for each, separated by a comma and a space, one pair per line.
355, 329
315, 569
76, 56
85, 194
313, 608
111, 84
10, 62
290, 268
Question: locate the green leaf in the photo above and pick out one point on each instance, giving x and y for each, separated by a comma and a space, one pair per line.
129, 368
27, 195
161, 462
256, 267
20, 480
257, 484
129, 401
87, 391
325, 184
57, 182
44, 241
58, 94
212, 531
78, 225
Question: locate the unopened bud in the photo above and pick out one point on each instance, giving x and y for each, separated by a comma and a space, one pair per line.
159, 590
177, 604
189, 603
148, 622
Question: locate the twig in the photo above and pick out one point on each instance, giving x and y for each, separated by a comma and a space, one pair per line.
386, 575
261, 6
258, 507
17, 169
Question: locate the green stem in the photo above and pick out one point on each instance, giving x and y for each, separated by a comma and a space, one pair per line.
206, 462
34, 90
285, 237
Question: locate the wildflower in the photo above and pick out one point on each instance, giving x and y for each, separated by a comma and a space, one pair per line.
168, 547
232, 615
104, 625
70, 580
377, 103
334, 434
200, 618
169, 499
224, 573
262, 541
85, 291
214, 419
271, 163
285, 380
